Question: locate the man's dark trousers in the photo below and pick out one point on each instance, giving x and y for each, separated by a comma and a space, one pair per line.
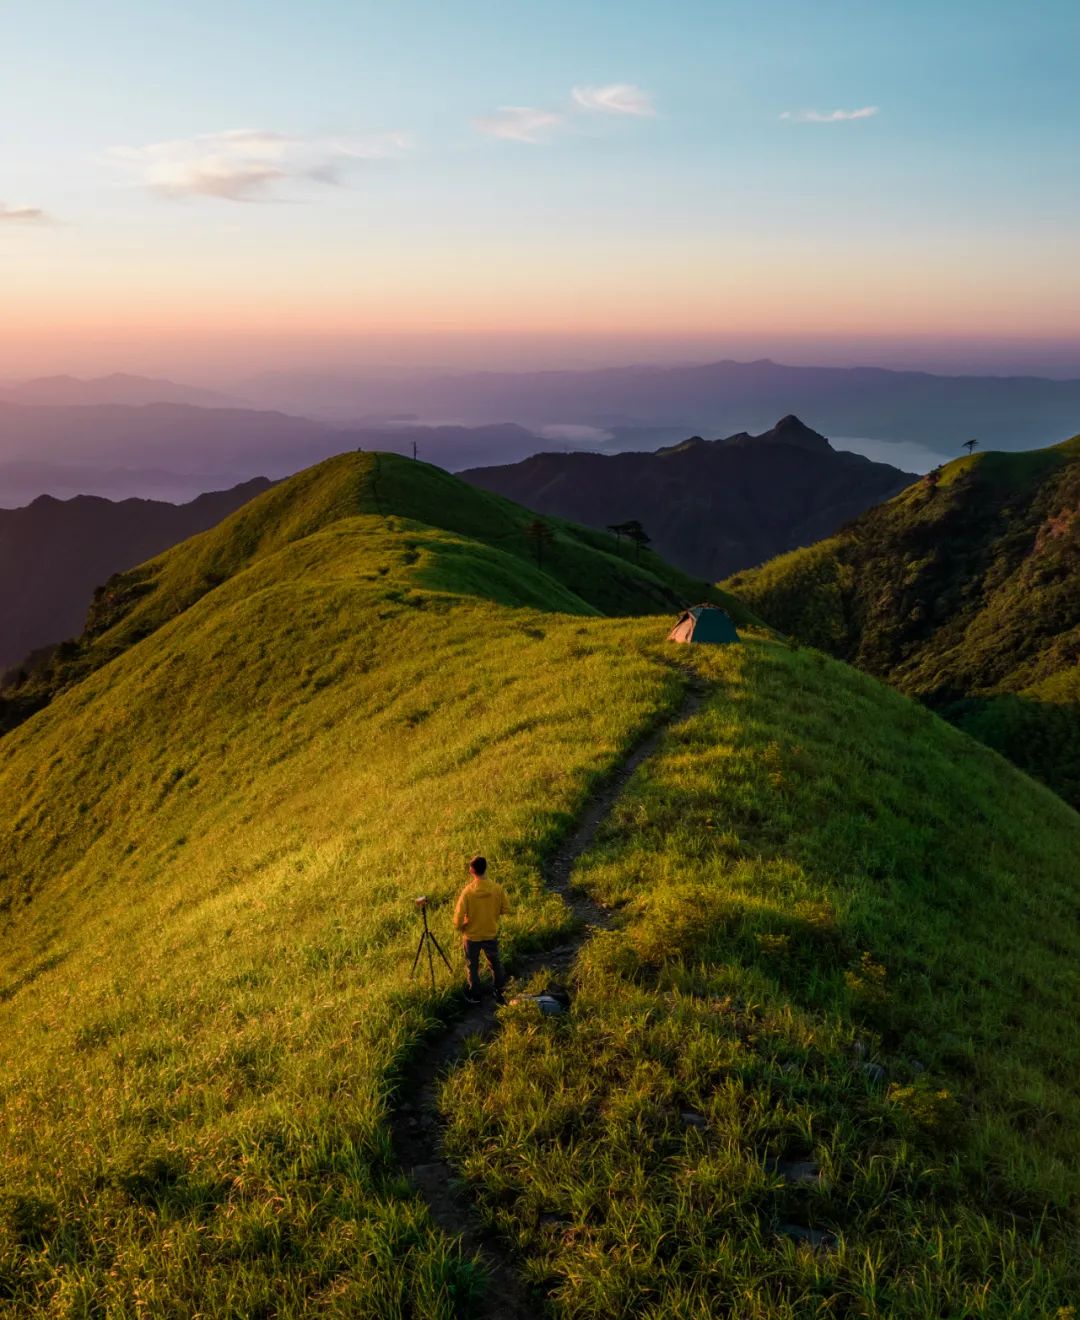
490, 950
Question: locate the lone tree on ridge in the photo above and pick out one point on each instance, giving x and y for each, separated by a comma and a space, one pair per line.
540, 534
633, 531
639, 536
619, 530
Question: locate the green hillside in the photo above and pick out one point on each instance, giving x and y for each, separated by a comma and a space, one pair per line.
594, 576
964, 591
322, 708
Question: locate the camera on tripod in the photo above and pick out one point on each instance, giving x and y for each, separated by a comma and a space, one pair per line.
428, 940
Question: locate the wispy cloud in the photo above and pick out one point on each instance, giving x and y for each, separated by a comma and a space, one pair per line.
23, 215
535, 124
520, 123
829, 116
249, 165
615, 99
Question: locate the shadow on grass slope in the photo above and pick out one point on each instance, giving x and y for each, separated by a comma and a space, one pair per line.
826, 1065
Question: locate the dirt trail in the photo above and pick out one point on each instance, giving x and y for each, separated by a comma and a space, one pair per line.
416, 1126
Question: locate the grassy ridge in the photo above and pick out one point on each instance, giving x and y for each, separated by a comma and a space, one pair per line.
965, 593
586, 563
208, 926
205, 907
826, 961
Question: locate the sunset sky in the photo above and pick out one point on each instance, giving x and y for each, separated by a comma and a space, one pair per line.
253, 183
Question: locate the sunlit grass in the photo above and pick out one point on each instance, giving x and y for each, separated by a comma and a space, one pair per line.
849, 939
963, 591
210, 872
207, 858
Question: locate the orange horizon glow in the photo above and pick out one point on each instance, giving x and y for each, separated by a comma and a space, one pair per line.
471, 179
898, 311
442, 304
739, 285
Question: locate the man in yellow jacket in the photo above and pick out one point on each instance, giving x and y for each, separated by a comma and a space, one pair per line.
480, 905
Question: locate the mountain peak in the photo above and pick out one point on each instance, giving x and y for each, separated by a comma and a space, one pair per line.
681, 446
790, 430
694, 496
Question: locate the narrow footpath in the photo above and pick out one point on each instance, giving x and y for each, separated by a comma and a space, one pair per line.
416, 1125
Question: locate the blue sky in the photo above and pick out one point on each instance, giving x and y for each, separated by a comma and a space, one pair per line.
377, 192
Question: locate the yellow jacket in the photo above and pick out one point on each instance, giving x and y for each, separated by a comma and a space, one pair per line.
480, 905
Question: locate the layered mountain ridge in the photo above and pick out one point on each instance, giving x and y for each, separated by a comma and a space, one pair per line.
53, 553
710, 506
936, 411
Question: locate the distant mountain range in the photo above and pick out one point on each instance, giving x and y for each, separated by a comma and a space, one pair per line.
964, 592
55, 552
711, 507
940, 412
180, 450
119, 388
125, 435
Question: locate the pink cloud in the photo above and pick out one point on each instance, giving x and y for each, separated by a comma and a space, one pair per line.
247, 165
830, 116
23, 215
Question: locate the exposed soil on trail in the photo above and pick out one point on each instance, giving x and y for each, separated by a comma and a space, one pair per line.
416, 1125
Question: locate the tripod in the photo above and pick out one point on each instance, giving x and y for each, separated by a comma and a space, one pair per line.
428, 938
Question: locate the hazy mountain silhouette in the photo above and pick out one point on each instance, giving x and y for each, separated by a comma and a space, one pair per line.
22, 481
169, 440
710, 506
175, 436
117, 388
1009, 412
53, 554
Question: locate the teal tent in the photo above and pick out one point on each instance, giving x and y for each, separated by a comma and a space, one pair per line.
704, 623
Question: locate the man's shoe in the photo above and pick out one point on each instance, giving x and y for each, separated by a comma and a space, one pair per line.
471, 997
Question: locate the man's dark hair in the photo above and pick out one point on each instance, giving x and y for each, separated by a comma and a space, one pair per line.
478, 865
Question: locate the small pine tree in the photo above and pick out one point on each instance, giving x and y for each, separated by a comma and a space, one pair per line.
969, 445
541, 535
619, 530
640, 538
